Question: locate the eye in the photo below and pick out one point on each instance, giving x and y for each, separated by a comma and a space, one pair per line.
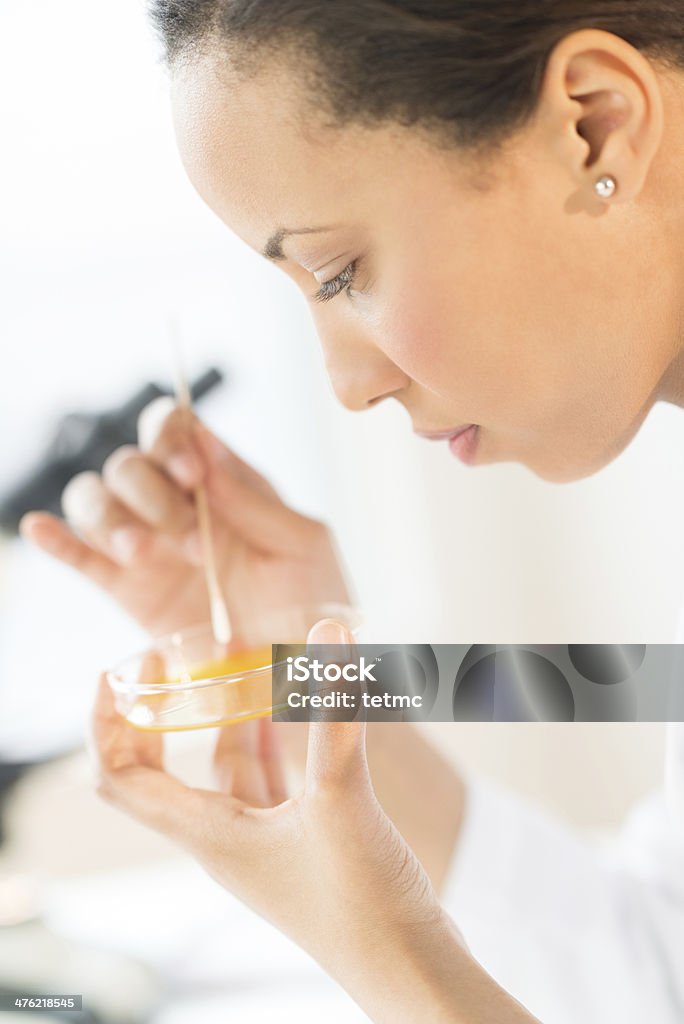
342, 282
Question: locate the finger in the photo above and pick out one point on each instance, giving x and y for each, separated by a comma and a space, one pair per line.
119, 745
176, 441
148, 745
147, 793
270, 754
336, 754
102, 521
292, 738
234, 741
248, 763
259, 518
238, 766
184, 447
165, 435
216, 453
52, 535
147, 492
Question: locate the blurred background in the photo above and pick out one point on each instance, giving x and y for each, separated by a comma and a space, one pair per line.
103, 243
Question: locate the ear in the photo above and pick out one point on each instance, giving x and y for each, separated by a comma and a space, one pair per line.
601, 109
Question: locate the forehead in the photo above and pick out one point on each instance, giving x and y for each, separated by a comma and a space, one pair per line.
261, 157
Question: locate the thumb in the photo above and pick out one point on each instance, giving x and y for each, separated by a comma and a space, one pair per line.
336, 750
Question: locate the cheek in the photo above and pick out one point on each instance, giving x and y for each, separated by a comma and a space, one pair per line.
446, 330
419, 334
516, 326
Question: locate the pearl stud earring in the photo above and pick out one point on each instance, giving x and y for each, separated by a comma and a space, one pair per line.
605, 186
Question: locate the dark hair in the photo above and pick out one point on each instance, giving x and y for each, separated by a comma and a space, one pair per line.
469, 69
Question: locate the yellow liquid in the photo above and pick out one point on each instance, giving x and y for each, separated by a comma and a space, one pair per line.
237, 700
231, 664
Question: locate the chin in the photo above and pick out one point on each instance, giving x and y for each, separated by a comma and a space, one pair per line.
570, 470
554, 464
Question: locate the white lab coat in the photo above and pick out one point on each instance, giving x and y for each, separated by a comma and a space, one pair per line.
580, 933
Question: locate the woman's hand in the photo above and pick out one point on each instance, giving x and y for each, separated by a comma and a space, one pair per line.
326, 865
133, 531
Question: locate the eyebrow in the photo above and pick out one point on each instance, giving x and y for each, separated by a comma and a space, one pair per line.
273, 250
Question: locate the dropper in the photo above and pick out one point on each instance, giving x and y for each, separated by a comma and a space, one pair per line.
220, 619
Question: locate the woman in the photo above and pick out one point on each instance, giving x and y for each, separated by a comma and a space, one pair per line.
482, 203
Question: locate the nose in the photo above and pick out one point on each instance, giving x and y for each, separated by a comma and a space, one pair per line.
360, 373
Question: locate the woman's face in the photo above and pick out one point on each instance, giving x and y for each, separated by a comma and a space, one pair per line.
488, 291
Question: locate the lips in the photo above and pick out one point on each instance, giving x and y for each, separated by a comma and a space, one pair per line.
464, 444
463, 440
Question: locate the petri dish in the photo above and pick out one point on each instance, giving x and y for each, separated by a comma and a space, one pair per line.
187, 680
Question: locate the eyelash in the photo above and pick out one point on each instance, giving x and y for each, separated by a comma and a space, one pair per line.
341, 283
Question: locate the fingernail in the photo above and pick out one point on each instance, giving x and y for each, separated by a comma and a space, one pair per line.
334, 640
186, 468
126, 543
329, 631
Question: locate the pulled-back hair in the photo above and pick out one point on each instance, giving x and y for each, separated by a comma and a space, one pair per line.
469, 69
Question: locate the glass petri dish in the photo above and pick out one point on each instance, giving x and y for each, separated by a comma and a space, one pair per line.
186, 680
